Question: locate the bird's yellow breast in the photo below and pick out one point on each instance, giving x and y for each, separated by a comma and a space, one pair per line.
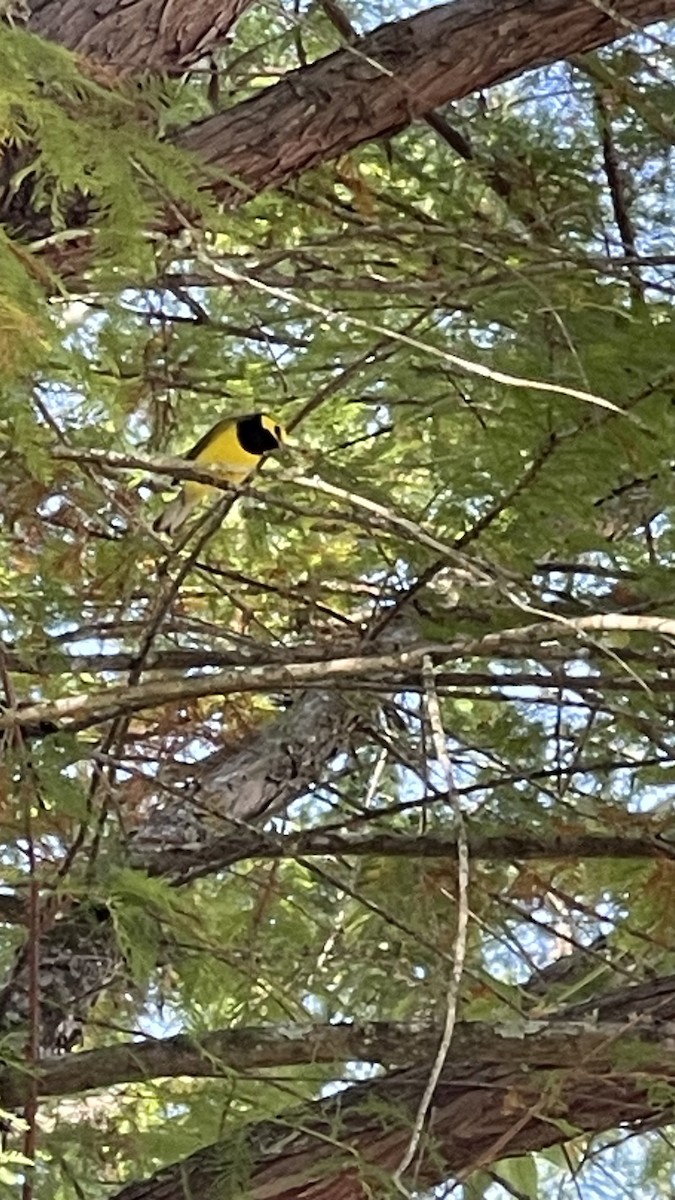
224, 450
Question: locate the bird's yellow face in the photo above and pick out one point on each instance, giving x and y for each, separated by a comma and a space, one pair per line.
273, 426
283, 439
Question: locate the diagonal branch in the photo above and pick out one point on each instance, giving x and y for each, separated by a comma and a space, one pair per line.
618, 191
375, 87
368, 90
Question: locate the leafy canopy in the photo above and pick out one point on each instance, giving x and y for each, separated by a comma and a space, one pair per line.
356, 291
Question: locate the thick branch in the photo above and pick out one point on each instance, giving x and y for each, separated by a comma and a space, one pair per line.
497, 1096
368, 90
531, 1043
238, 844
395, 75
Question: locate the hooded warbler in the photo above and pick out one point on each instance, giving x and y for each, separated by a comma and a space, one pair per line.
235, 445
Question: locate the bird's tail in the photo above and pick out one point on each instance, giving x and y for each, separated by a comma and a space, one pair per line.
174, 515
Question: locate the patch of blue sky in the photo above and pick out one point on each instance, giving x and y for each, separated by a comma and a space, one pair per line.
590, 582
540, 708
160, 1019
354, 1072
547, 91
82, 325
614, 1166
61, 400
153, 301
523, 944
657, 797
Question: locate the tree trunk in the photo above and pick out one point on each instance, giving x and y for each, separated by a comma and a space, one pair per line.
150, 35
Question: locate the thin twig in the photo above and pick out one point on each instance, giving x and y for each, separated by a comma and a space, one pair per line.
618, 193
468, 366
459, 949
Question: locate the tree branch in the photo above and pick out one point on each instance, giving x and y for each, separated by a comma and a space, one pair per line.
383, 81
84, 710
533, 1043
502, 1092
240, 844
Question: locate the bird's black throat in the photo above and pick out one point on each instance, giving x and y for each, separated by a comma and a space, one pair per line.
254, 438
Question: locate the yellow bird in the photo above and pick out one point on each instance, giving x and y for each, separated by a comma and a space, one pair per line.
235, 446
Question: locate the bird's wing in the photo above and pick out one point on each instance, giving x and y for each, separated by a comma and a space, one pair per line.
213, 432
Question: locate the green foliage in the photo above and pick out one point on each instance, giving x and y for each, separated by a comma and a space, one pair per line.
81, 140
78, 150
144, 912
361, 287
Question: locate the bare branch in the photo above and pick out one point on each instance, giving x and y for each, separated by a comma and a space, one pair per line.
237, 845
82, 711
392, 1044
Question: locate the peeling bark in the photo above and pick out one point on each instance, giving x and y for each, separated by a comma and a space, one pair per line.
479, 1116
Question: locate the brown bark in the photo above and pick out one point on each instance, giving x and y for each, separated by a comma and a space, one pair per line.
479, 1116
371, 89
550, 1043
237, 845
148, 35
497, 1096
397, 74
